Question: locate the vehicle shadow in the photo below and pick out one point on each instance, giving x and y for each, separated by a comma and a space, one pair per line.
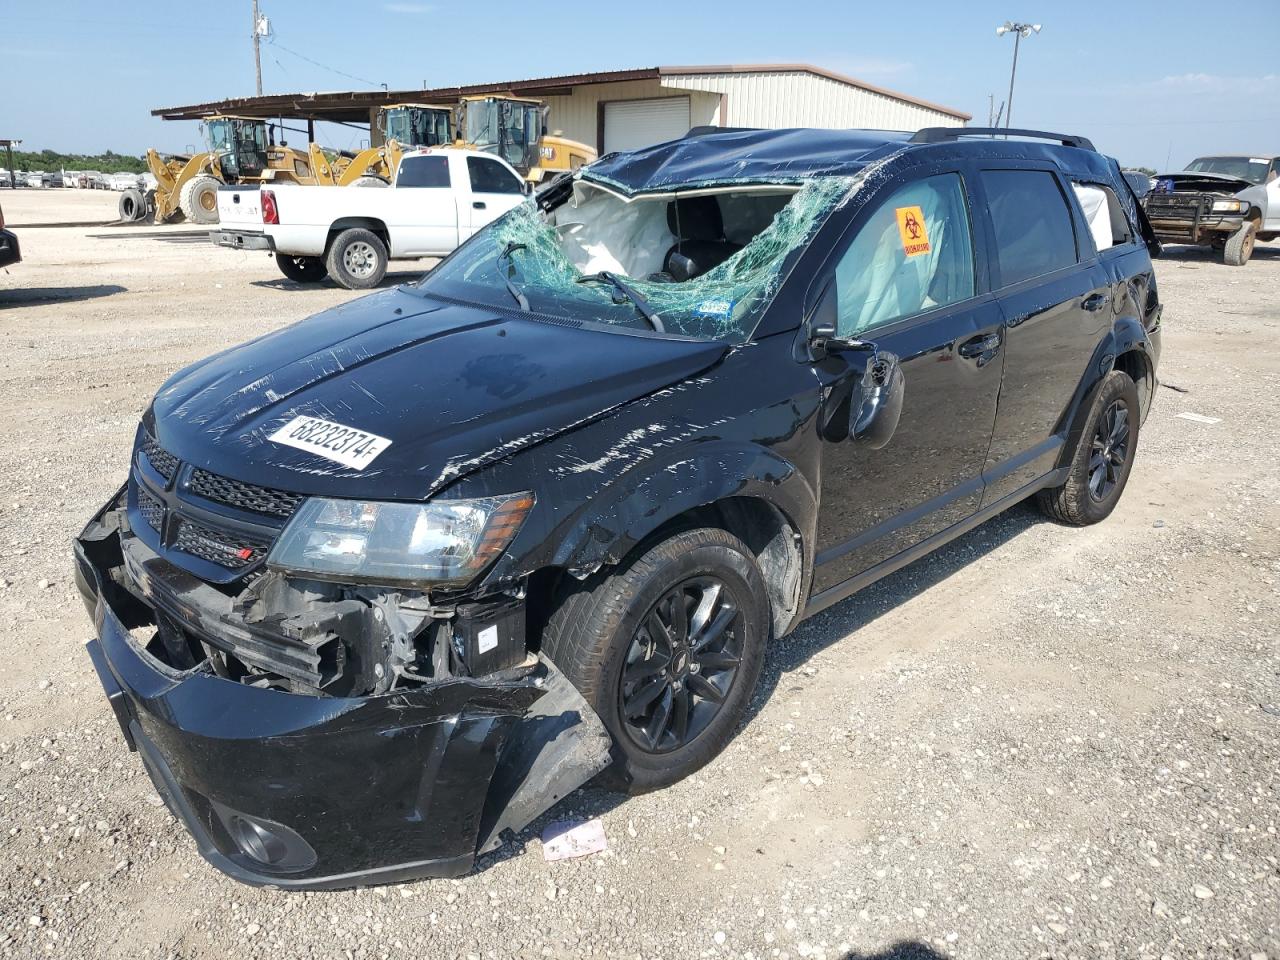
28, 296
390, 280
1184, 253
902, 950
791, 652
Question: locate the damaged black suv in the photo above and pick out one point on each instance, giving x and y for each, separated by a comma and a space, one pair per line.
386, 584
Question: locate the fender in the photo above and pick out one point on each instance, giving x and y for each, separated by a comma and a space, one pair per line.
609, 527
1126, 335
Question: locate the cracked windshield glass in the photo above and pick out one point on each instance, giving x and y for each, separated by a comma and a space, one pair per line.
701, 264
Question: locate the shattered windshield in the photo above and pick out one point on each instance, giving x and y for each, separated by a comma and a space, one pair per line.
1242, 168
700, 264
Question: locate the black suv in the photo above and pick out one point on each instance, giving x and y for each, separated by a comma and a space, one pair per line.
389, 582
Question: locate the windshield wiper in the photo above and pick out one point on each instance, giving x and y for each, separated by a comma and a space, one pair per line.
505, 267
621, 286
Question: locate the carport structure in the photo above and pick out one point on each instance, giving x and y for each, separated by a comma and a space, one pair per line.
625, 109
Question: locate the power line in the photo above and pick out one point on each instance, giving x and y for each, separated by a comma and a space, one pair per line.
323, 66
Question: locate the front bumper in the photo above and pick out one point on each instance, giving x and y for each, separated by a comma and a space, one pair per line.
304, 792
1190, 218
242, 241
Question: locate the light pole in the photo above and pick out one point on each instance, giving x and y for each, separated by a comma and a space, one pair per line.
1019, 30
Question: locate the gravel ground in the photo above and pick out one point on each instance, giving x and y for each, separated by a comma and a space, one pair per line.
1041, 741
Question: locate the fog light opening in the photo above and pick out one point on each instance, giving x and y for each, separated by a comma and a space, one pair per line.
257, 842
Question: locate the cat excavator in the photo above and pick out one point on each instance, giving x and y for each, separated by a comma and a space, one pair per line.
240, 150
402, 125
515, 128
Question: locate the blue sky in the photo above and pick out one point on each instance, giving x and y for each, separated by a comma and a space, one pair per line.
1146, 80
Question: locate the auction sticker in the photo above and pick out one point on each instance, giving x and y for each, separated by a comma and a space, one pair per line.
333, 441
915, 235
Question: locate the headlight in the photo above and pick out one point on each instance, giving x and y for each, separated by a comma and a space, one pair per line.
1228, 206
444, 541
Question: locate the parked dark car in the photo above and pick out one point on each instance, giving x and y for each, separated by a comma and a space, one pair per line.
9, 249
389, 582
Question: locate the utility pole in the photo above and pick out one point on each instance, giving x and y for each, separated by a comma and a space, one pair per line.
1019, 30
257, 56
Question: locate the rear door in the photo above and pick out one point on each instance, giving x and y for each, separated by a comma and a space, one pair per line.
908, 281
1056, 309
494, 189
425, 218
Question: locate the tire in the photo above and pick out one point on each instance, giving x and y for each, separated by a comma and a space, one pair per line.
1239, 246
199, 198
368, 181
301, 269
357, 259
132, 206
1103, 458
602, 633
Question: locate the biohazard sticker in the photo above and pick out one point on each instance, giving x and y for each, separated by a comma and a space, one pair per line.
915, 235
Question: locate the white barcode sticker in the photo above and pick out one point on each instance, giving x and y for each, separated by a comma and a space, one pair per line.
487, 639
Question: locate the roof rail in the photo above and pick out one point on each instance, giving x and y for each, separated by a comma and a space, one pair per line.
944, 134
705, 131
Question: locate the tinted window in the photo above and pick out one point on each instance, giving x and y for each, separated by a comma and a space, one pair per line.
1033, 228
912, 255
423, 172
489, 176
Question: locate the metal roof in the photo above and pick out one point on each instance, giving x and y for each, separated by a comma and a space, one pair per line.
353, 106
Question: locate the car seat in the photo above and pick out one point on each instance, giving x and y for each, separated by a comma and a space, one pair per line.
698, 226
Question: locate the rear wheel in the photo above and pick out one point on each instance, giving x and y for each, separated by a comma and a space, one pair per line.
199, 198
369, 181
1103, 457
357, 259
301, 269
1239, 247
667, 651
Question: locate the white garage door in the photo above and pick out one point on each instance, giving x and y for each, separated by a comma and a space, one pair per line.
631, 124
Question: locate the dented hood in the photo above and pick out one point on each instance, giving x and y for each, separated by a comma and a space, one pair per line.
452, 388
1208, 182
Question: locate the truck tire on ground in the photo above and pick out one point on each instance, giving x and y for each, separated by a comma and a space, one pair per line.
357, 259
199, 199
132, 205
369, 181
1239, 246
301, 269
667, 651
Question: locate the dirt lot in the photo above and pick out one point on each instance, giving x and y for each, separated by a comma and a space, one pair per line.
1040, 742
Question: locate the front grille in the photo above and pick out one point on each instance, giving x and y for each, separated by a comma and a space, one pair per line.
223, 547
152, 510
243, 496
164, 462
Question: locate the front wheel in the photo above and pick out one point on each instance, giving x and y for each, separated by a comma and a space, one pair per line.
667, 651
1239, 246
1103, 457
357, 259
301, 269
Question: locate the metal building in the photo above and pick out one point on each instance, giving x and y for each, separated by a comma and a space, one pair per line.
625, 109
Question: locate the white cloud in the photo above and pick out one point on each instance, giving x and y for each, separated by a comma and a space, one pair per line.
1219, 83
414, 8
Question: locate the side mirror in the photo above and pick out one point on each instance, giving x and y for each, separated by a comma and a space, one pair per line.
876, 409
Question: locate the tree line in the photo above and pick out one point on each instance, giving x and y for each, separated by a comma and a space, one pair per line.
106, 162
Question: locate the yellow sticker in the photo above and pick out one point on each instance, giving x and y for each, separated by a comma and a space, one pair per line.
915, 235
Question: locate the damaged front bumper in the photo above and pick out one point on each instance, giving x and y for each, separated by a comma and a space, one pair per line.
312, 792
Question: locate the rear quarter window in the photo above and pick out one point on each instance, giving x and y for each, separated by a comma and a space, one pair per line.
423, 172
1032, 223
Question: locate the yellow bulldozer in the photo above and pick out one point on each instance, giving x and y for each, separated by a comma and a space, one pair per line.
515, 128
240, 150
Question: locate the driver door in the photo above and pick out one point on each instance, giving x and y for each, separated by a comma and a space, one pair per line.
906, 280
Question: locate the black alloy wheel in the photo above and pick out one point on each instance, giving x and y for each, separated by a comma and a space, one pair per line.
1109, 450
681, 665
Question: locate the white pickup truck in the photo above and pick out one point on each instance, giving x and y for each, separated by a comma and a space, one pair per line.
438, 199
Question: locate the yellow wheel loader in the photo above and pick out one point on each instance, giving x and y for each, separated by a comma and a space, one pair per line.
240, 150
515, 128
402, 126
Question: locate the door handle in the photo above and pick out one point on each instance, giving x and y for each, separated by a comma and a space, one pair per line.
477, 204
1095, 302
979, 346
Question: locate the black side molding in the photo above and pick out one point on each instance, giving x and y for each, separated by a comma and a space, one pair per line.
944, 134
